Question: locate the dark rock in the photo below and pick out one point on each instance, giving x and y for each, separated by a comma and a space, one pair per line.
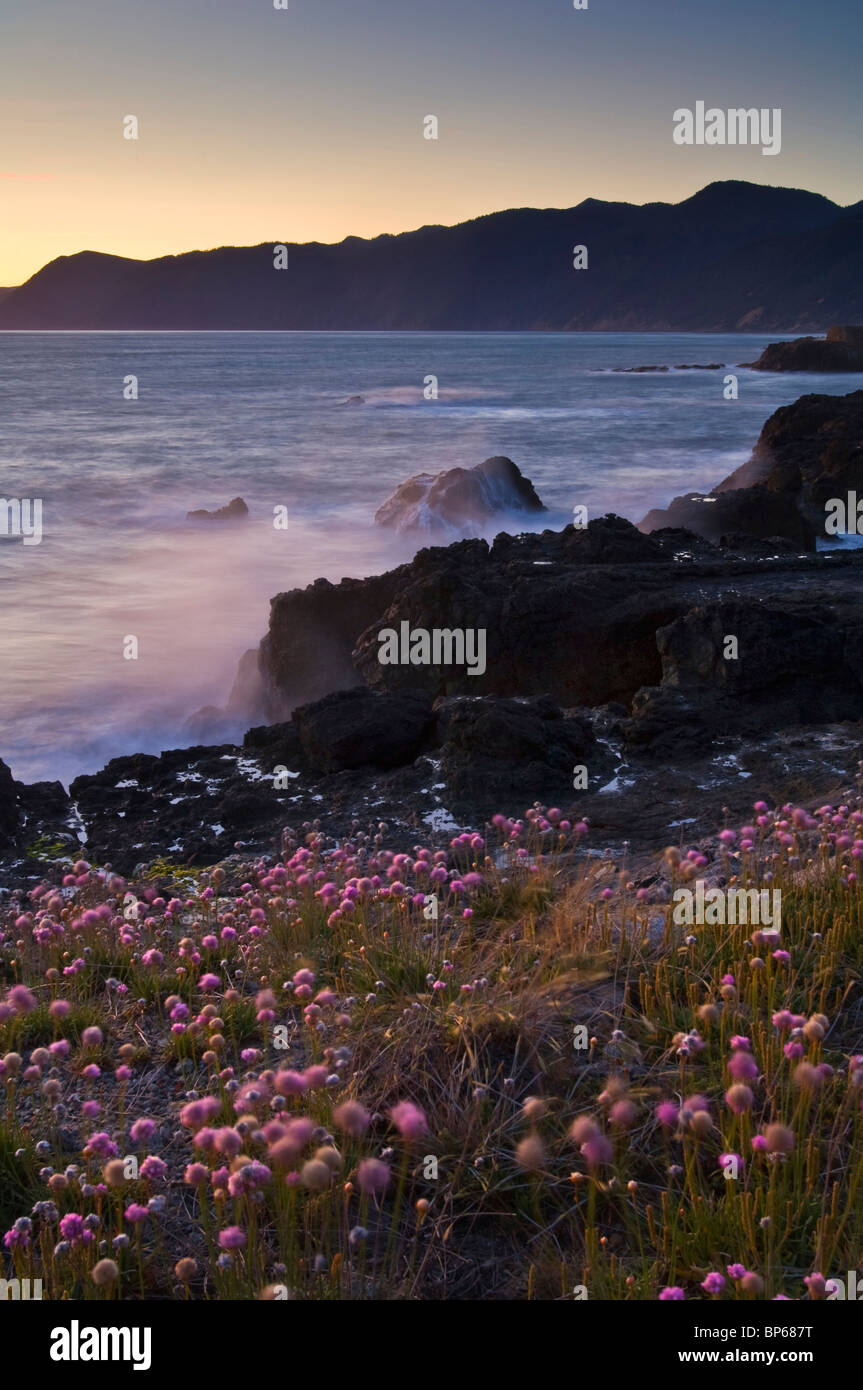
840, 351
681, 367
809, 451
493, 749
9, 810
609, 540
358, 728
462, 500
235, 510
279, 743
306, 652
752, 511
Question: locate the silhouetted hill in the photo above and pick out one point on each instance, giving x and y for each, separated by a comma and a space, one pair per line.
733, 256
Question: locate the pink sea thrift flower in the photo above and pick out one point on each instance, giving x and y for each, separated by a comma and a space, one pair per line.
373, 1177
232, 1238
714, 1283
409, 1120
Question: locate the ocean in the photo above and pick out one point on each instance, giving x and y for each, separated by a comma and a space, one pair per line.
263, 416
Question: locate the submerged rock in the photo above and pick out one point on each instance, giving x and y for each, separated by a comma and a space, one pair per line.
235, 510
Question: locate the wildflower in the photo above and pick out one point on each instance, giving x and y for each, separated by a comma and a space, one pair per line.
104, 1273
533, 1109
672, 1294
742, 1066
667, 1113
186, 1269
232, 1238
582, 1129
153, 1169
101, 1145
114, 1172
714, 1283
315, 1175
142, 1130
623, 1114
409, 1120
72, 1227
352, 1118
816, 1284
135, 1213
808, 1077
779, 1139
530, 1154
372, 1177
597, 1151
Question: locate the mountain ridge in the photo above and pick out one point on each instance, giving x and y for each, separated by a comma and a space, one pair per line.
733, 256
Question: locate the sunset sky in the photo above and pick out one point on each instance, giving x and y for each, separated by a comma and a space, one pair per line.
258, 124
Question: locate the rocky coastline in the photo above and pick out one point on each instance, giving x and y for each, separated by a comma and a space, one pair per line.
611, 688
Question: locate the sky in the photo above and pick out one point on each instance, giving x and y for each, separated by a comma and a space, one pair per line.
306, 124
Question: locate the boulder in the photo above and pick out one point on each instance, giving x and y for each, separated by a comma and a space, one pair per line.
359, 728
493, 750
462, 501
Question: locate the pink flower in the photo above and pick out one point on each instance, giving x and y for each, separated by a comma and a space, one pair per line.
198, 1112
742, 1066
372, 1177
409, 1120
142, 1130
671, 1294
352, 1118
22, 1001
714, 1283
597, 1151
153, 1168
232, 1238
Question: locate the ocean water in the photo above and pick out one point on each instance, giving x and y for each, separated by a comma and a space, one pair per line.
263, 416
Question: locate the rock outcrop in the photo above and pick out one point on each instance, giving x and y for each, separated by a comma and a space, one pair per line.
753, 512
461, 501
807, 452
840, 351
